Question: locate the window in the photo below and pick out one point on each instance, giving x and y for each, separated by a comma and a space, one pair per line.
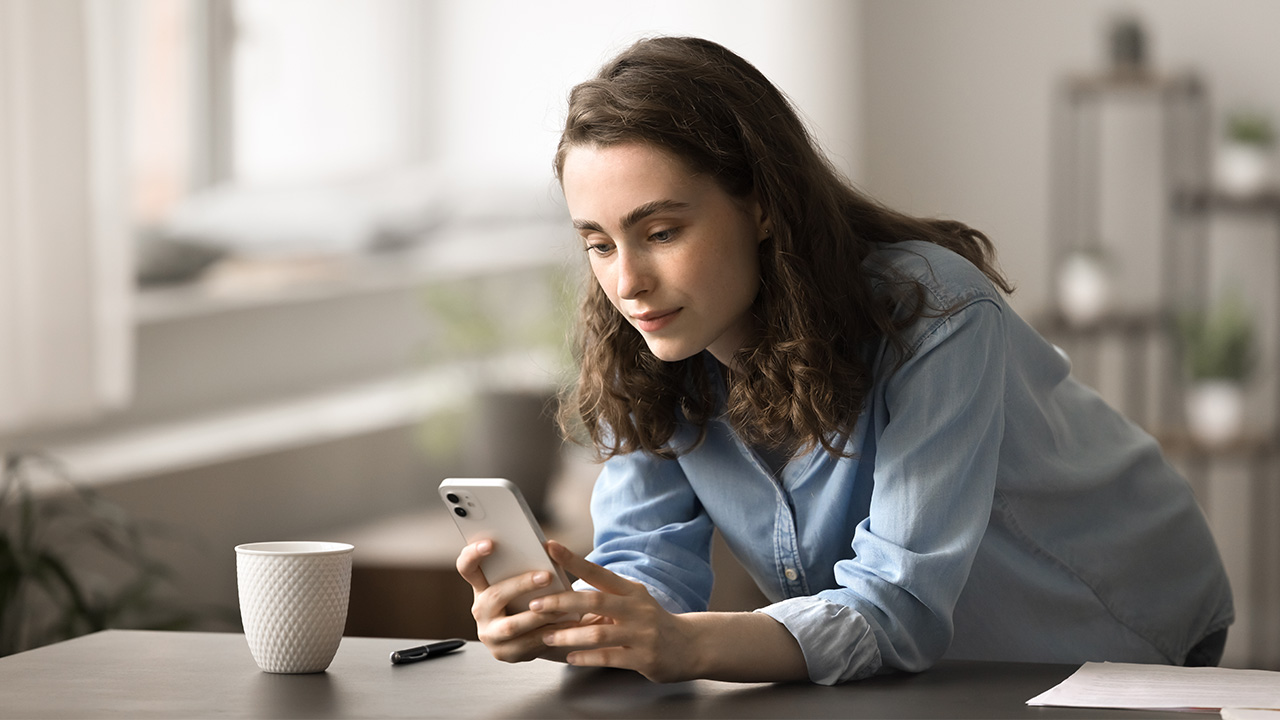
166, 91
246, 96
319, 89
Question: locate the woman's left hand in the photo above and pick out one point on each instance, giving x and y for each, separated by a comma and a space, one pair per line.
628, 628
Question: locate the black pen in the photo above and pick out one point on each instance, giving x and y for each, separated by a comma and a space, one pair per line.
423, 652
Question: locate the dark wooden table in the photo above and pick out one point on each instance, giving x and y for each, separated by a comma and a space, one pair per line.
139, 674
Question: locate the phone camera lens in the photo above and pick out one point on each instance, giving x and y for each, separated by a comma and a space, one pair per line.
460, 512
452, 498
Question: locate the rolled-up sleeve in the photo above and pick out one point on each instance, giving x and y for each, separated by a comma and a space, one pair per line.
836, 640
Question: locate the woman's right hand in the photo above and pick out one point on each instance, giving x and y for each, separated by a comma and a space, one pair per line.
511, 638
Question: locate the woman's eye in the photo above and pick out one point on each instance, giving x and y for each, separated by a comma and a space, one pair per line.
663, 235
599, 248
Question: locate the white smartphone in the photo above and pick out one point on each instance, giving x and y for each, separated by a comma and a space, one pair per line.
494, 509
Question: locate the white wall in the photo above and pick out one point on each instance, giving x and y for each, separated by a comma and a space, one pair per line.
510, 65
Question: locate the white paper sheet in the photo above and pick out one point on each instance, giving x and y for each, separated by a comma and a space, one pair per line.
1164, 687
1249, 714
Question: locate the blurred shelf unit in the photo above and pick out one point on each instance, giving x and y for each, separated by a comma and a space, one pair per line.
1265, 202
1180, 110
1193, 208
1152, 378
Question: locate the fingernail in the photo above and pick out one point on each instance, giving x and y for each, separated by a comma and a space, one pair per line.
548, 639
542, 578
484, 546
535, 605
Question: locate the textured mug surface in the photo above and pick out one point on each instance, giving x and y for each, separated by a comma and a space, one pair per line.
293, 602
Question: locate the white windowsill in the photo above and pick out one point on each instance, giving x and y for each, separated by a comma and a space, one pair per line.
249, 431
451, 255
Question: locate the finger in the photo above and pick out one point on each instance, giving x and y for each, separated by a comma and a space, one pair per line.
586, 637
517, 648
649, 661
511, 639
582, 603
535, 626
493, 601
611, 657
468, 563
594, 575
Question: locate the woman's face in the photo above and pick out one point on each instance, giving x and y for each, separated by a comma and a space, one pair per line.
676, 255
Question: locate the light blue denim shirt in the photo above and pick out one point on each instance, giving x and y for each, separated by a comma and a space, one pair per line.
992, 508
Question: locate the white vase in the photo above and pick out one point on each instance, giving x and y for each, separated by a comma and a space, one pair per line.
1215, 411
1242, 169
1084, 290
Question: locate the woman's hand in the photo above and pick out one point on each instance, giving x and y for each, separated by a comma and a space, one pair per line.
623, 626
511, 638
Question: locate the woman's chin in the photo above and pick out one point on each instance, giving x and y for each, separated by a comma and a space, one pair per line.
671, 352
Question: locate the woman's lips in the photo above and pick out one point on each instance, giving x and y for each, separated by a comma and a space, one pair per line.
654, 321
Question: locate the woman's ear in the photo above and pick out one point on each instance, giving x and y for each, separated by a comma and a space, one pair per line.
763, 224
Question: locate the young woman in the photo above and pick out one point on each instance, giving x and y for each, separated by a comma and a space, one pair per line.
906, 469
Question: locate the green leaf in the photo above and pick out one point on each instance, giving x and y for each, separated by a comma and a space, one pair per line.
39, 539
1250, 128
1219, 343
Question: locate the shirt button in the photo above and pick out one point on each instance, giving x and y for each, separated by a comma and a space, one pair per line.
791, 574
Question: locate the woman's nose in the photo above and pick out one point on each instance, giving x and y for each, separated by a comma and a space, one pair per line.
634, 277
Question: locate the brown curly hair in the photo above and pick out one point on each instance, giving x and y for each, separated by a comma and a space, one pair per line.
802, 381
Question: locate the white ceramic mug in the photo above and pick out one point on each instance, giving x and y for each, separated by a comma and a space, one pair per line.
293, 602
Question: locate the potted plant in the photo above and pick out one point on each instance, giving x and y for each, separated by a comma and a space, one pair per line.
70, 562
1128, 42
1218, 354
1244, 160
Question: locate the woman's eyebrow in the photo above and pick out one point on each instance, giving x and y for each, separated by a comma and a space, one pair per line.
636, 215
651, 208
